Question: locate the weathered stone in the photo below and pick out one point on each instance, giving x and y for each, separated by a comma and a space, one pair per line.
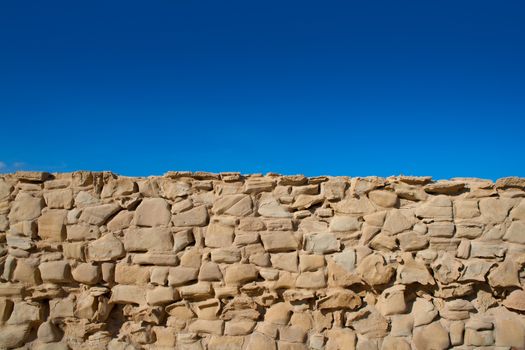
12, 336
124, 294
233, 204
339, 299
86, 273
269, 207
98, 215
343, 223
25, 207
413, 271
152, 212
447, 269
495, 209
218, 235
412, 241
181, 275
340, 339
106, 248
505, 274
322, 243
515, 233
279, 241
197, 216
59, 199
153, 239
51, 225
55, 272
431, 337
48, 333
392, 301
374, 271
240, 273
397, 221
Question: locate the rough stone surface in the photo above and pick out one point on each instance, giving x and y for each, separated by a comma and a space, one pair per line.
229, 261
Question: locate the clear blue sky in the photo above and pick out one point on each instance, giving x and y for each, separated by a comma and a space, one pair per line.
316, 87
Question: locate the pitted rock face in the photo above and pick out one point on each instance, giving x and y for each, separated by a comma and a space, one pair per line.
229, 261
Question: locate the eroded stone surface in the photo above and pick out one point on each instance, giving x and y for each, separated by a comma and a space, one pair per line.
226, 261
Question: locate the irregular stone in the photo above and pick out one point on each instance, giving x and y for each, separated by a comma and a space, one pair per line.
152, 212
26, 313
159, 259
86, 273
125, 294
181, 275
25, 207
55, 271
278, 313
413, 271
305, 201
59, 199
284, 261
397, 221
339, 299
51, 225
445, 187
197, 216
392, 301
424, 312
374, 271
486, 250
359, 206
279, 241
269, 207
82, 232
383, 198
470, 230
153, 239
431, 337
340, 339
466, 209
311, 280
48, 333
447, 269
161, 296
438, 208
343, 223
515, 300
411, 241
441, 229
12, 336
218, 235
475, 270
495, 209
106, 248
509, 331
515, 233
98, 215
240, 273
322, 243
505, 274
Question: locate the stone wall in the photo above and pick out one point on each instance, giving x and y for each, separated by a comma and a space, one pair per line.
224, 261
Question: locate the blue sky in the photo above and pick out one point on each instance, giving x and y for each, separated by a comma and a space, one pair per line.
334, 87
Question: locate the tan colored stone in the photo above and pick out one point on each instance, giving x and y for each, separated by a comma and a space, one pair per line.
51, 225
98, 215
25, 207
374, 271
505, 274
197, 216
152, 212
55, 272
106, 248
219, 235
431, 337
154, 239
279, 241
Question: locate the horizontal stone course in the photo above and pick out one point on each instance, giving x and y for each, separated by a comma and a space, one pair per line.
93, 260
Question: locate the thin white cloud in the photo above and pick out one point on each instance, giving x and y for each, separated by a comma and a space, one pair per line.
2, 165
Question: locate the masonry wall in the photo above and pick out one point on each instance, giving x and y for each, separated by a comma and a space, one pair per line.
224, 261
